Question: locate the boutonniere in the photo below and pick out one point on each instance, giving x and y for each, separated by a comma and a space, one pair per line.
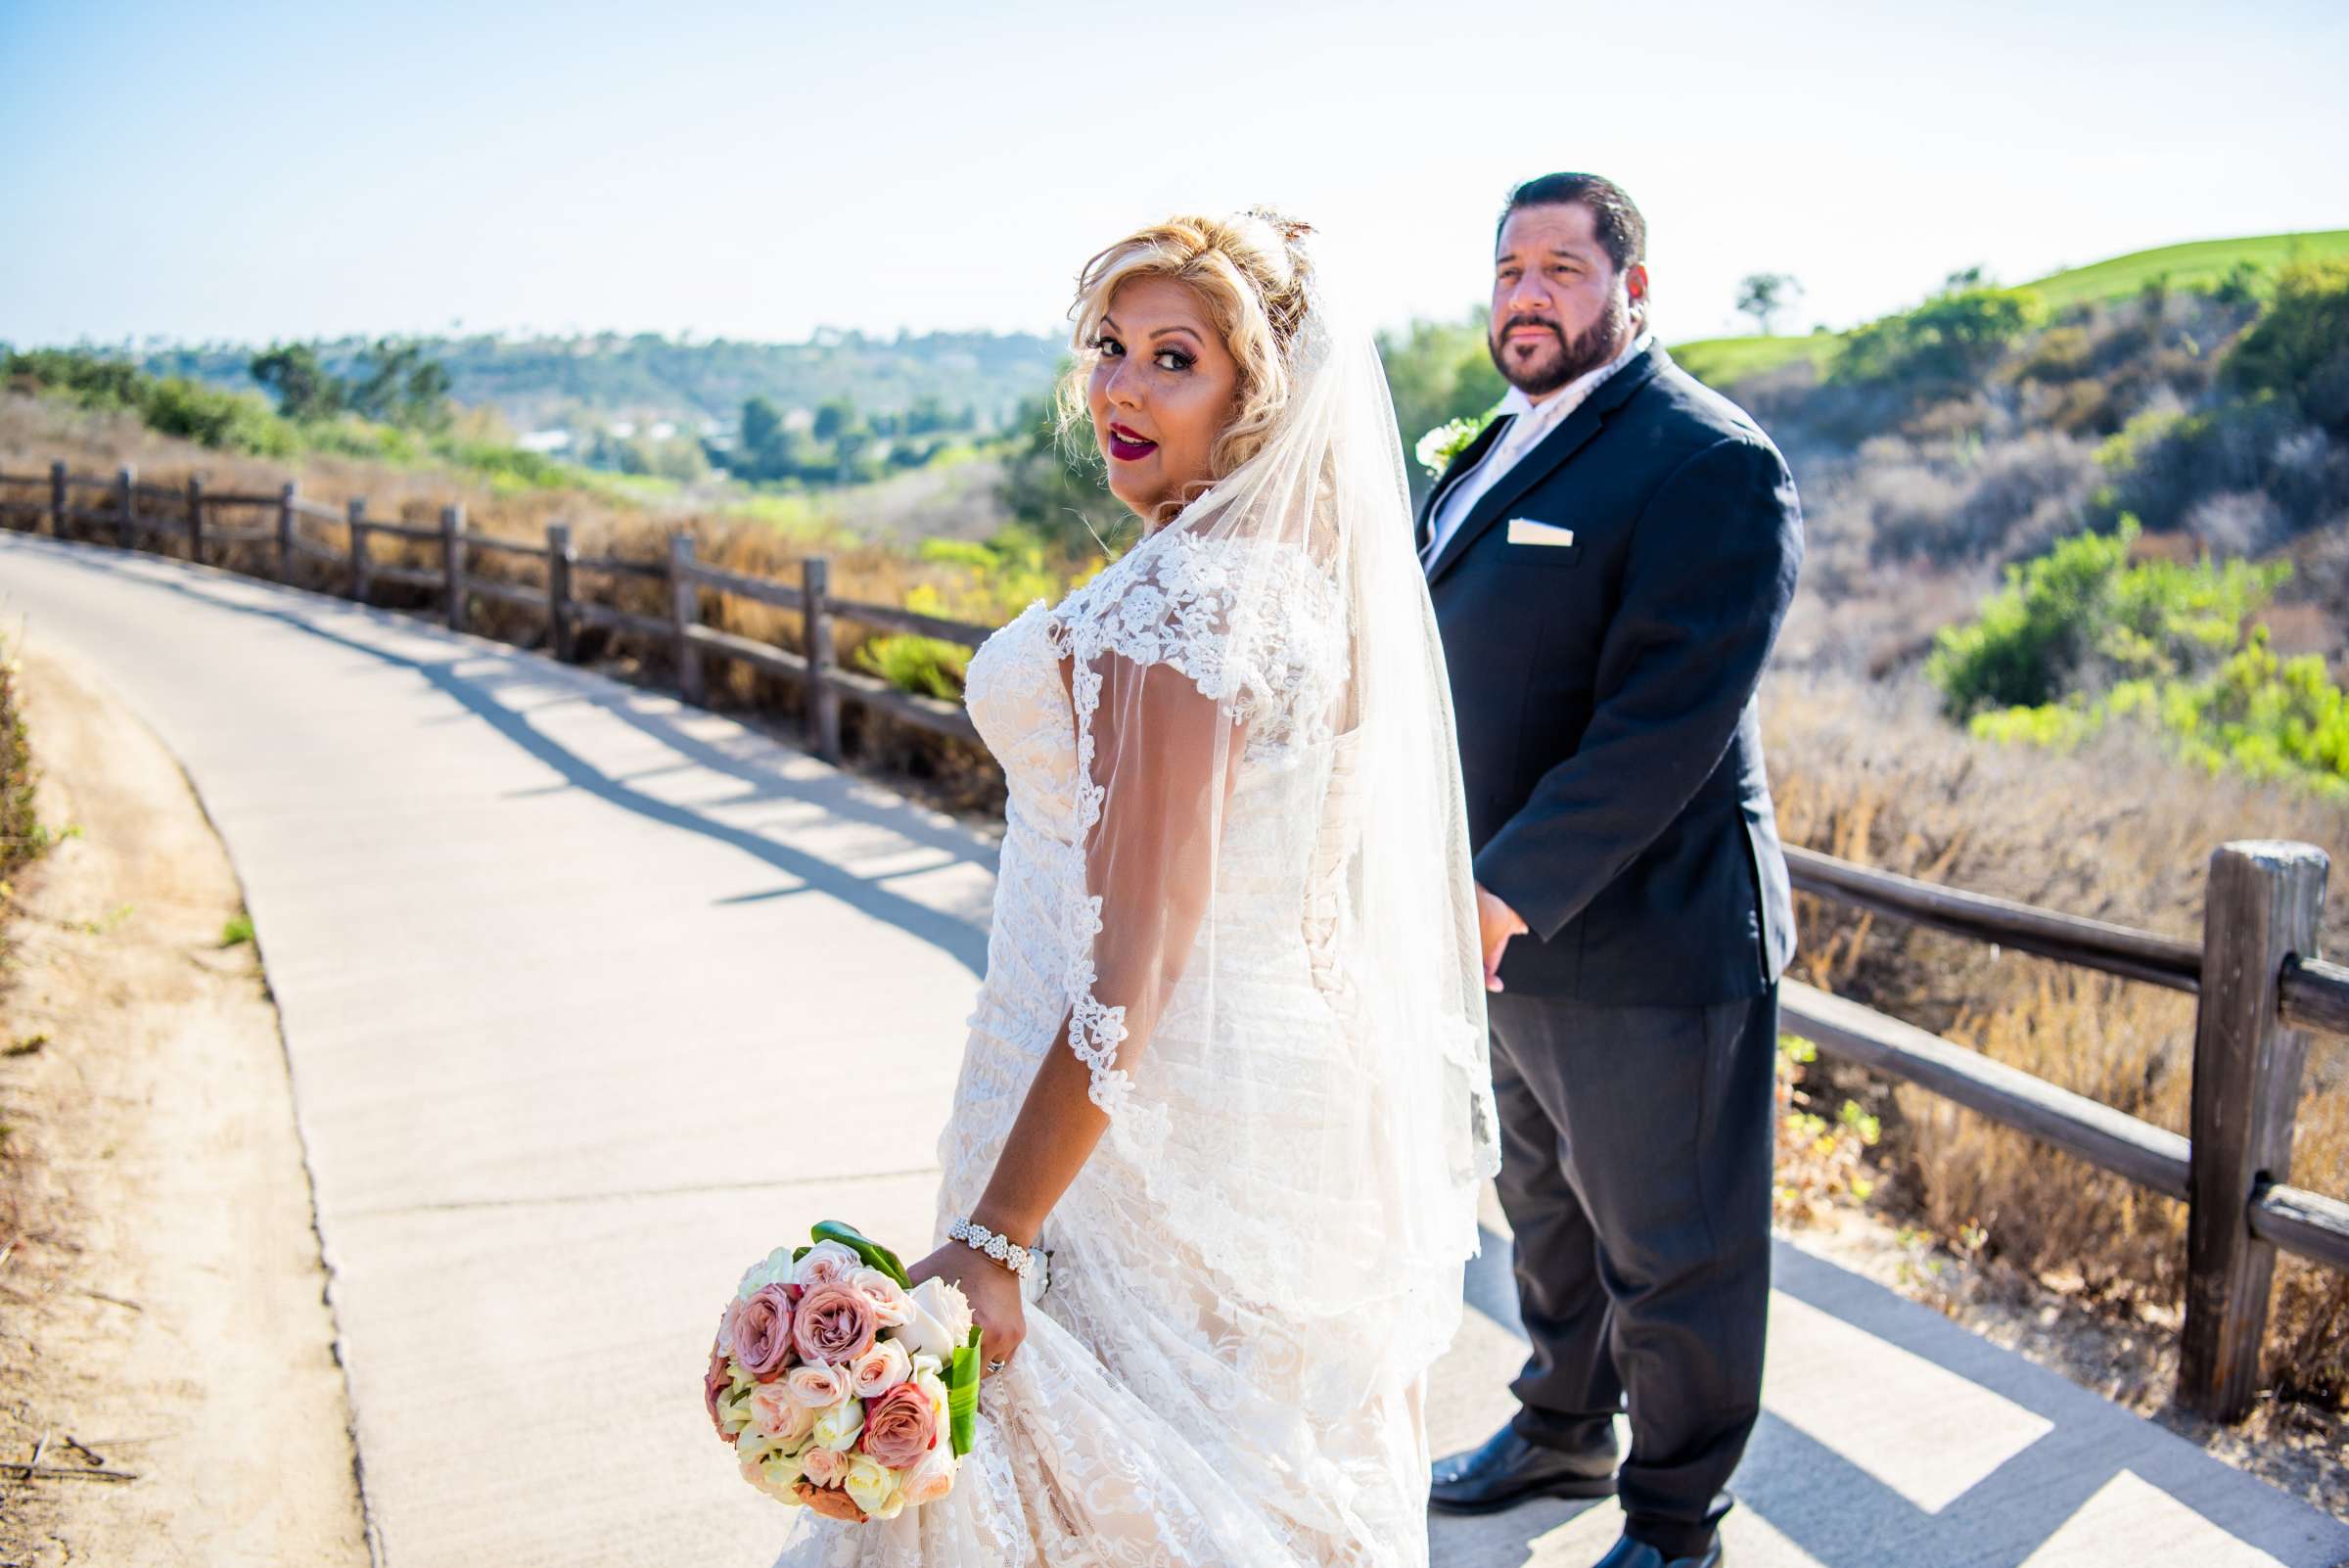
1448, 441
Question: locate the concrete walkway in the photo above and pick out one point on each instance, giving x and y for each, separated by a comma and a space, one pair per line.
554, 957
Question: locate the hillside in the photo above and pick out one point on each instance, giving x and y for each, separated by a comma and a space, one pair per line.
2200, 264
591, 380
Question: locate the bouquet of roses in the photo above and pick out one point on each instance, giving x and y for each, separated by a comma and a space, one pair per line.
838, 1387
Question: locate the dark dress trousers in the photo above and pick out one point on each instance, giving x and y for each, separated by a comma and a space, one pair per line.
1604, 683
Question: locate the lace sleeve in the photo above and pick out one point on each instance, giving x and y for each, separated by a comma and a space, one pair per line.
1174, 683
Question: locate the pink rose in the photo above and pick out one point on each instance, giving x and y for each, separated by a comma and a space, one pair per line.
776, 1414
833, 1323
831, 1502
891, 1307
900, 1427
762, 1333
714, 1383
826, 1467
932, 1479
827, 1262
817, 1386
881, 1368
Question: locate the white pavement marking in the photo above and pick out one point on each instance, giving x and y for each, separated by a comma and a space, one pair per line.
1816, 1362
558, 962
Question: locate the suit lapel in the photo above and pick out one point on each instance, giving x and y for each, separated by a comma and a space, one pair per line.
1549, 453
1459, 469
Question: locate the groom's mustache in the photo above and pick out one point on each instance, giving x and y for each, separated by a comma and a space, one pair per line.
1514, 322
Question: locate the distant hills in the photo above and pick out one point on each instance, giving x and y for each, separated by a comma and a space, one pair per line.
2198, 264
594, 378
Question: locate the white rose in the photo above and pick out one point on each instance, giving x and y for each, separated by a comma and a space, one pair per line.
940, 1323
768, 1467
934, 1389
776, 1269
826, 1261
932, 1479
873, 1487
838, 1427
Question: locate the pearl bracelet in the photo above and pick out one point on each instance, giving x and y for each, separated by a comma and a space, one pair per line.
1028, 1262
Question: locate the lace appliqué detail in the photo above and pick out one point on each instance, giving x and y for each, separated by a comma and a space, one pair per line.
1173, 601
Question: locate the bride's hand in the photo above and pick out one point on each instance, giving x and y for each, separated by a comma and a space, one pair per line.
992, 1292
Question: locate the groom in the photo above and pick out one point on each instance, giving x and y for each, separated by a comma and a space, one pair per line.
1609, 562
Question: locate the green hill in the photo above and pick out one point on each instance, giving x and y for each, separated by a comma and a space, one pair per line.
2198, 264
1722, 360
2201, 262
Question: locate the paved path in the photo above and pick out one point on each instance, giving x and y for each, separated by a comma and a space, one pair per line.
552, 956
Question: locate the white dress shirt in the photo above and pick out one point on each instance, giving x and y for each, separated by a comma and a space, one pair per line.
1529, 422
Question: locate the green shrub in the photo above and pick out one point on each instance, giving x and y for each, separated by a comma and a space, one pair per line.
2080, 638
924, 665
2031, 635
1950, 339
2299, 348
227, 420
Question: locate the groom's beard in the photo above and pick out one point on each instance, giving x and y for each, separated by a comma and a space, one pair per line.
1552, 368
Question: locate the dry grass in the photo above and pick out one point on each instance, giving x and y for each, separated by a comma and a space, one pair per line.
864, 567
2116, 832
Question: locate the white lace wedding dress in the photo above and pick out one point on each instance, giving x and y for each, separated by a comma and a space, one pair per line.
1251, 1275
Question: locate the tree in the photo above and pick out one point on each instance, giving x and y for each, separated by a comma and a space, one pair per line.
1762, 295
1437, 371
835, 418
292, 375
770, 449
397, 385
1054, 490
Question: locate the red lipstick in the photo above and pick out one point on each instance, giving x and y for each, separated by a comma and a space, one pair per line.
1126, 446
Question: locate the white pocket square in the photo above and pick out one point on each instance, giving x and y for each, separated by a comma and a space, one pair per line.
1525, 530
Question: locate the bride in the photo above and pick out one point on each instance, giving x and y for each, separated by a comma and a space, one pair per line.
1227, 1081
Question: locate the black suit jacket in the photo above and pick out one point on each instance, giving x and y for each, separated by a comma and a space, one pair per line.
1604, 691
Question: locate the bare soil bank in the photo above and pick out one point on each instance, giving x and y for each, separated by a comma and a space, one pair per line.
163, 1311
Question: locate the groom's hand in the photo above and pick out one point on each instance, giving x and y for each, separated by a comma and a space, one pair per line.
1496, 923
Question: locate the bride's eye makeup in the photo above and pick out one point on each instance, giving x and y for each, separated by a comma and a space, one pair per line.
1181, 360
1107, 347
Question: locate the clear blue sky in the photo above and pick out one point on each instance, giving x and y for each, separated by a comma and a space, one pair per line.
223, 170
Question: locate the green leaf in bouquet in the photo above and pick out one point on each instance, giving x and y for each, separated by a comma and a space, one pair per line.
962, 1396
875, 1255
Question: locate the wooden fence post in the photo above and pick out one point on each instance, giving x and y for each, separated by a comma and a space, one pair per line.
823, 701
453, 562
124, 477
2263, 904
57, 500
559, 557
195, 518
354, 516
285, 532
684, 611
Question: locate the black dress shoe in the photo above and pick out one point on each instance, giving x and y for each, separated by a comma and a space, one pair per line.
1630, 1553
1508, 1470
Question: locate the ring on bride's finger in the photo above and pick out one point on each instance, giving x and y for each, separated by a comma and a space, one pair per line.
994, 1366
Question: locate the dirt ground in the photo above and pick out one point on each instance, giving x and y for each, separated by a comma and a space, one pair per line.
168, 1388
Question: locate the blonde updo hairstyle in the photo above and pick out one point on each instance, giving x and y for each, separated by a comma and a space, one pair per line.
1252, 272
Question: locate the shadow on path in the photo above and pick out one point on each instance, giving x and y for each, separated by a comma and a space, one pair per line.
489, 694
1830, 1506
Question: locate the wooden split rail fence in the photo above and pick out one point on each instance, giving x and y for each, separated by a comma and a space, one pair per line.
2256, 974
123, 511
